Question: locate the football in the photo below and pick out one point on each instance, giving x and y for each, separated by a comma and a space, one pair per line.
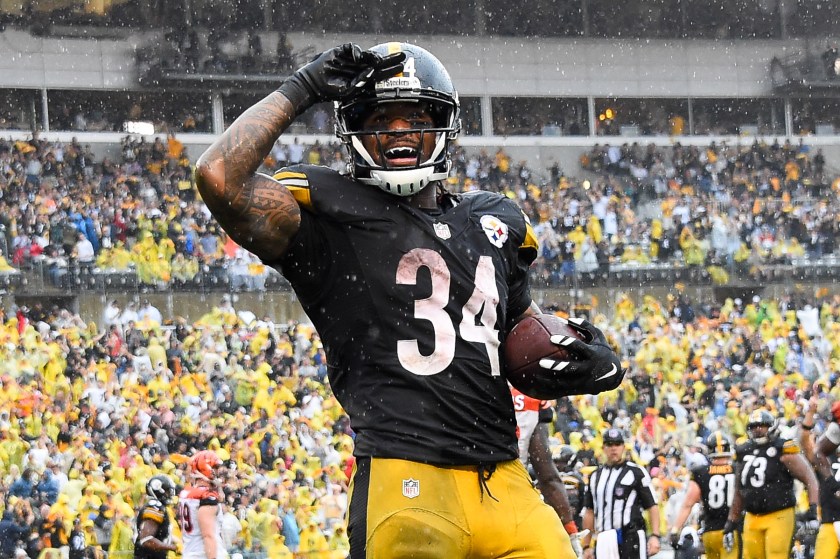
526, 344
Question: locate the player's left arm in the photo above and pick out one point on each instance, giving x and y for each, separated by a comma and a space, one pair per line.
207, 525
548, 477
799, 468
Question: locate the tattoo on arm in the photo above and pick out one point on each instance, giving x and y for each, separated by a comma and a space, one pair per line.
254, 210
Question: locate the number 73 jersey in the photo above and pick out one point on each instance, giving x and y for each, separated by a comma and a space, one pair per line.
411, 307
765, 483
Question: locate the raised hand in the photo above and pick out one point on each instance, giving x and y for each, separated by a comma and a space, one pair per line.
338, 73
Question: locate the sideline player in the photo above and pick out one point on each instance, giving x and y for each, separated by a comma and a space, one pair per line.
412, 289
154, 535
765, 468
713, 485
200, 508
532, 415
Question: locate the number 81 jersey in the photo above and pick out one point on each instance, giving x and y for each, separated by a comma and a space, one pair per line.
411, 307
765, 483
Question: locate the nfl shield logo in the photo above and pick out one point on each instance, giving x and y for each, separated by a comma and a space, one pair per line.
442, 231
411, 488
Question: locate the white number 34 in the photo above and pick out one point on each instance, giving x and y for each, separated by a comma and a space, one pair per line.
484, 299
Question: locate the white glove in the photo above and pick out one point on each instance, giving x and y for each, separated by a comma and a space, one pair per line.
575, 538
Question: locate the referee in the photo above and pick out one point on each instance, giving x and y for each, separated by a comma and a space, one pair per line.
617, 495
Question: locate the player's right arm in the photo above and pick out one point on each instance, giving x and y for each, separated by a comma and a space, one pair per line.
253, 209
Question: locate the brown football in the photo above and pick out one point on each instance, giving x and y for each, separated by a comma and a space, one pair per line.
526, 344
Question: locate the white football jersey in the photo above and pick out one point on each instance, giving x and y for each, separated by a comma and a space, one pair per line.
190, 499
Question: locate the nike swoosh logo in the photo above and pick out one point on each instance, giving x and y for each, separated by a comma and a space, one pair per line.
608, 374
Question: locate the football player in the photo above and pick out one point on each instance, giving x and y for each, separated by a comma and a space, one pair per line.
412, 289
154, 539
826, 462
713, 485
532, 415
200, 507
566, 462
766, 466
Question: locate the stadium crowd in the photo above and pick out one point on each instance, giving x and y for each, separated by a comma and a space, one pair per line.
726, 208
89, 412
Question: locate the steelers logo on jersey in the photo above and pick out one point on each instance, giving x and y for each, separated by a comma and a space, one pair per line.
495, 229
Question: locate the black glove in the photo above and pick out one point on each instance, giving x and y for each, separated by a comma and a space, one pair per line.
675, 541
595, 367
337, 74
811, 519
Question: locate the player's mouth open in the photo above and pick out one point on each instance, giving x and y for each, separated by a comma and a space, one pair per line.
400, 156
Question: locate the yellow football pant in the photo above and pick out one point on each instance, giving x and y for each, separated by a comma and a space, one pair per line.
401, 509
768, 536
713, 546
827, 546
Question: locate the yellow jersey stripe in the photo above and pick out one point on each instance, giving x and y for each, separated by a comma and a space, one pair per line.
302, 196
280, 175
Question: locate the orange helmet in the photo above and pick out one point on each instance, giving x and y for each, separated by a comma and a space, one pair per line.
203, 465
835, 410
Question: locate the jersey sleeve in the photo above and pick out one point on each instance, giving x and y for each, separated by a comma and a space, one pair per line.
520, 289
588, 499
647, 498
790, 447
304, 260
152, 513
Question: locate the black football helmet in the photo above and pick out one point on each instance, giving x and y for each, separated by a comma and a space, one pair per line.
760, 418
718, 445
160, 487
564, 457
423, 80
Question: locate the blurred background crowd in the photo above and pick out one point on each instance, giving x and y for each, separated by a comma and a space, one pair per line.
90, 411
725, 209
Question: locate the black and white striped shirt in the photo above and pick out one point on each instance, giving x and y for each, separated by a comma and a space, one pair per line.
618, 495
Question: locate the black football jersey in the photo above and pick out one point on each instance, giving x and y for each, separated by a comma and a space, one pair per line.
153, 510
717, 490
830, 493
764, 481
411, 307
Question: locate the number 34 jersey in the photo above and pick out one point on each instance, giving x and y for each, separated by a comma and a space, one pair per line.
411, 307
765, 483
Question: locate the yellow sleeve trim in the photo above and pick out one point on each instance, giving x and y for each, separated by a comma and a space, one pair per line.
530, 240
152, 514
790, 447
